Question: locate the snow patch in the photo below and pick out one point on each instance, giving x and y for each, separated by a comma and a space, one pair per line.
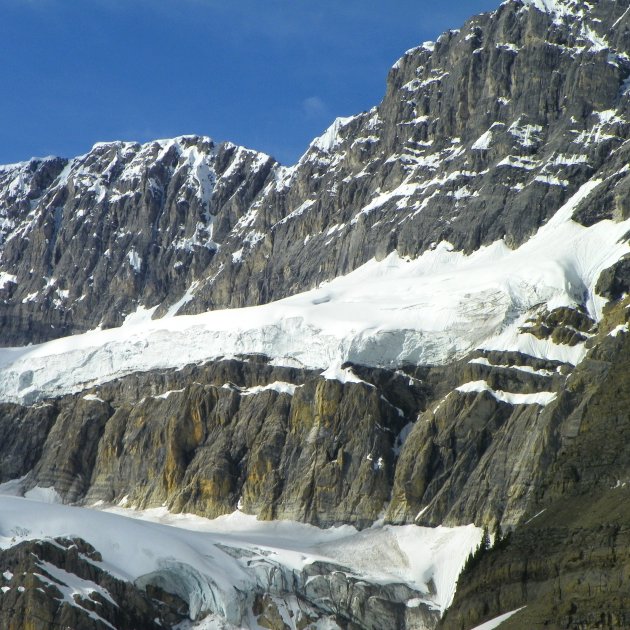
7, 278
483, 142
301, 209
497, 621
539, 398
43, 495
140, 316
331, 137
71, 585
551, 180
134, 260
623, 328
343, 375
187, 297
170, 392
527, 135
282, 387
522, 368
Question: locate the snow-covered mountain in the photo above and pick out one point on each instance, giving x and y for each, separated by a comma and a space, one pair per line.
422, 323
481, 137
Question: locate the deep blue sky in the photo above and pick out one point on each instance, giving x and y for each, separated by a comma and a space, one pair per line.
269, 74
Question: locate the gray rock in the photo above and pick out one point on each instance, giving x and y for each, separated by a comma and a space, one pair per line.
33, 597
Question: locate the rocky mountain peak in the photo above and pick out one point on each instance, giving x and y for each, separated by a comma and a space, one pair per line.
140, 219
595, 24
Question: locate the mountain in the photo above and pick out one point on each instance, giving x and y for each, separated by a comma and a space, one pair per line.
417, 332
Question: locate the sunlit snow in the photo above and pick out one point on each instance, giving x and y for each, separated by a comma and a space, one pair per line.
497, 621
539, 398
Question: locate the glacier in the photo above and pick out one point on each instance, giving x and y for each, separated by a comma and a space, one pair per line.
430, 310
217, 566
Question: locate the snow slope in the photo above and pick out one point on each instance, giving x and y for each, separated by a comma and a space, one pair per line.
497, 621
219, 565
430, 310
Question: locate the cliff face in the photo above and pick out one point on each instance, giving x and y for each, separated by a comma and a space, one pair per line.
481, 135
38, 583
507, 136
473, 441
565, 562
278, 442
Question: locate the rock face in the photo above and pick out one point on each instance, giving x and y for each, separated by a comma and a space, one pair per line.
482, 135
281, 443
84, 241
467, 442
565, 563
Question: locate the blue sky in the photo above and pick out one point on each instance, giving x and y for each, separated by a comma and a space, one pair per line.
269, 74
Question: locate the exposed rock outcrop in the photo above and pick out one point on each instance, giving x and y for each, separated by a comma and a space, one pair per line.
481, 136
58, 584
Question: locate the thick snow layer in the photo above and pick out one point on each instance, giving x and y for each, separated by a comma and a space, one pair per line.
539, 398
281, 387
343, 375
483, 142
331, 137
522, 368
216, 564
43, 495
430, 310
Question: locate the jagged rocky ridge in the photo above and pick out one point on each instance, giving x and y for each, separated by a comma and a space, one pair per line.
86, 240
482, 135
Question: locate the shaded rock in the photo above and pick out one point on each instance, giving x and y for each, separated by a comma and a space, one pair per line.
39, 578
614, 282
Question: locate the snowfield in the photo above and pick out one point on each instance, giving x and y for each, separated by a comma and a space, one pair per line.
430, 310
193, 554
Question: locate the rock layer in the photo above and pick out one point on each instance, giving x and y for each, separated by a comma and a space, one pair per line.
57, 584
